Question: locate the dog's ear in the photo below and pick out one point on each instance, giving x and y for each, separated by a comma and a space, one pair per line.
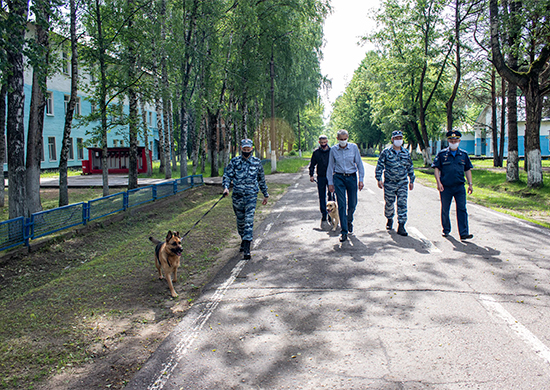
169, 235
177, 234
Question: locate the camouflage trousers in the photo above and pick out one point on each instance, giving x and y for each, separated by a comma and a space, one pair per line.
244, 206
393, 190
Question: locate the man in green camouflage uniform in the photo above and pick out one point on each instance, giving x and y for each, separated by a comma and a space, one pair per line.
247, 175
396, 164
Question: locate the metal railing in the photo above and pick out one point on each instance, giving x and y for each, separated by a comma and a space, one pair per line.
19, 231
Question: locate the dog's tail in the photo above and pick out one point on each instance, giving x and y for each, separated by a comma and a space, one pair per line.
154, 240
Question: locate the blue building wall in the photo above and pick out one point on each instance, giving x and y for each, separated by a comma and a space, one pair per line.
544, 146
54, 124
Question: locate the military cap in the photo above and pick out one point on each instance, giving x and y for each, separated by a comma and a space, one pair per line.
397, 133
454, 134
247, 142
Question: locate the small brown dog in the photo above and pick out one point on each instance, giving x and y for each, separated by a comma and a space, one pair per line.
167, 258
332, 209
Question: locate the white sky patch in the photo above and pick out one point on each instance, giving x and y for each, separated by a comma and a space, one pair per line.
341, 54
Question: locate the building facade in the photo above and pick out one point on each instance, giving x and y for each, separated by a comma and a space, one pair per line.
57, 100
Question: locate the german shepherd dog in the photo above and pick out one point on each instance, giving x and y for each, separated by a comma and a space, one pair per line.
167, 258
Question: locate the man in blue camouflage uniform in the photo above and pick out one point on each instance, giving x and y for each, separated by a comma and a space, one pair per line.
396, 164
247, 175
451, 165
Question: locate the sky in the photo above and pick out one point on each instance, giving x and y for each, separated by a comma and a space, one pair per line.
343, 30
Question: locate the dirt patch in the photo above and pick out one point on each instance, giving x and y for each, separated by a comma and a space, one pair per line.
99, 310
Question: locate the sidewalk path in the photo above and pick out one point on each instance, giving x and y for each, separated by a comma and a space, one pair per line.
380, 311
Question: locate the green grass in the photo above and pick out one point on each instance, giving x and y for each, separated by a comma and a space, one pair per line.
59, 304
492, 190
288, 165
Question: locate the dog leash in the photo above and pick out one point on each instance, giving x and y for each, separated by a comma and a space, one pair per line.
204, 215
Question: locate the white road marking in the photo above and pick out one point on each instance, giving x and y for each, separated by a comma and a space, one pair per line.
427, 243
257, 242
188, 337
382, 202
496, 309
370, 191
296, 185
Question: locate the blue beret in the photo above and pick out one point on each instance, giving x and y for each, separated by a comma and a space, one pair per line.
397, 133
453, 134
247, 142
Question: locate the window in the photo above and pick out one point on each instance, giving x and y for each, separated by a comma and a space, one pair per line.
121, 143
80, 148
51, 149
49, 103
77, 107
115, 143
71, 149
150, 118
65, 62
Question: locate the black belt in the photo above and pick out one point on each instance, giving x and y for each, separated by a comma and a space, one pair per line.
345, 174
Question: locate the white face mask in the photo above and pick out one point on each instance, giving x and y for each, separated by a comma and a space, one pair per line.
398, 142
454, 146
343, 143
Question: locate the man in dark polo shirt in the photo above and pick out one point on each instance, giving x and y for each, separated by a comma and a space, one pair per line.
319, 159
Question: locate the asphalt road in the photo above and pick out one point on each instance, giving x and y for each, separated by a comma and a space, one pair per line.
380, 311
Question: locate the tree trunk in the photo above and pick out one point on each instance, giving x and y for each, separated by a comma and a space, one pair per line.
533, 115
161, 136
133, 110
512, 161
34, 135
16, 20
38, 107
502, 121
102, 96
213, 143
64, 157
494, 130
3, 93
184, 131
145, 136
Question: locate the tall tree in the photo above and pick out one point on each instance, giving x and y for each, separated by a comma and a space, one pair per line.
534, 82
39, 59
15, 26
3, 93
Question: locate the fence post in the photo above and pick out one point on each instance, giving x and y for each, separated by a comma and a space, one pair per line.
27, 230
125, 201
192, 181
155, 192
175, 187
85, 213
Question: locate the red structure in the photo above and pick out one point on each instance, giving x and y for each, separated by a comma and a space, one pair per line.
118, 160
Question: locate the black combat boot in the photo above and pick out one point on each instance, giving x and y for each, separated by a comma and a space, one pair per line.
401, 230
389, 224
241, 249
246, 250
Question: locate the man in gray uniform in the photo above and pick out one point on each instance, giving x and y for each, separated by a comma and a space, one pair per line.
396, 164
247, 175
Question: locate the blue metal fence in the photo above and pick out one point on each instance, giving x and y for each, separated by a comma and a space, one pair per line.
19, 231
